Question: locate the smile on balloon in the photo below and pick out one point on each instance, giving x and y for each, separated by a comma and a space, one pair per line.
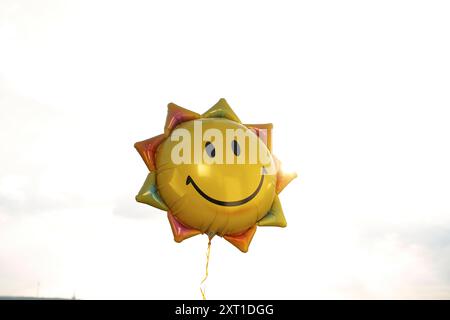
189, 180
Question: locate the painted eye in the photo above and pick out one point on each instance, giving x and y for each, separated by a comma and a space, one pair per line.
235, 147
210, 150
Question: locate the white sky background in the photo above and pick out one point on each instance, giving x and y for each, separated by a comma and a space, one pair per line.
359, 96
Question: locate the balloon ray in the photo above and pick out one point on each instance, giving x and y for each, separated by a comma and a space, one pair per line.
177, 115
149, 193
179, 230
283, 179
221, 110
264, 132
275, 217
242, 241
147, 150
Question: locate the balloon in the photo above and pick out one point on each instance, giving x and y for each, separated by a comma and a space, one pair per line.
213, 175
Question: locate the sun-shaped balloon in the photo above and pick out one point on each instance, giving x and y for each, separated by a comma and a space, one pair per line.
213, 175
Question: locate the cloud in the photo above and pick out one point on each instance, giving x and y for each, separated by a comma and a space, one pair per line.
97, 254
399, 264
129, 208
363, 123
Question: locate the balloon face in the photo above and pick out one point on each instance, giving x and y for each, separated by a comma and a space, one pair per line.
213, 175
227, 197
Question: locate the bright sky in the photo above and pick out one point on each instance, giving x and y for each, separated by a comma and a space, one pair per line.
358, 93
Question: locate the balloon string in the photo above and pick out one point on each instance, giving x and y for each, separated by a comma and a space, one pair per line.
206, 271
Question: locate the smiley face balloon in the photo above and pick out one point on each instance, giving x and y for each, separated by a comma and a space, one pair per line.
213, 175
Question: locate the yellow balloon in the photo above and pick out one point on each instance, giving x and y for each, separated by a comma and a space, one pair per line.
213, 175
